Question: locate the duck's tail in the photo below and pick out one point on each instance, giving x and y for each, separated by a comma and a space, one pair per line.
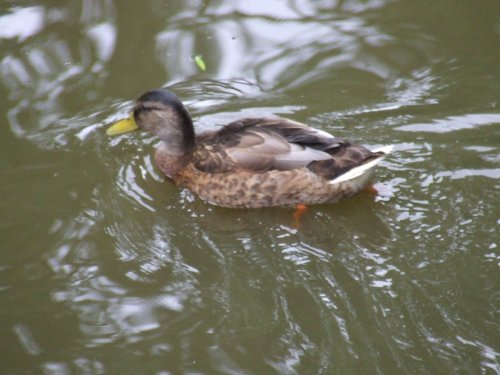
364, 171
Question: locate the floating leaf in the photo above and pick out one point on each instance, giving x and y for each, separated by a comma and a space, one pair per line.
198, 59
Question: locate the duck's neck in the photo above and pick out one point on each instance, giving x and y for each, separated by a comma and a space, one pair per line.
172, 125
178, 142
188, 139
170, 163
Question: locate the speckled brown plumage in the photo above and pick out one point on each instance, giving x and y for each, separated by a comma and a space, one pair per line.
254, 162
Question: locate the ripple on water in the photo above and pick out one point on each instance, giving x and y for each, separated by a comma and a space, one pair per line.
388, 285
127, 291
454, 123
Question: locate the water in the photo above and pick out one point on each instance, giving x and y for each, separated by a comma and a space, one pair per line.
106, 267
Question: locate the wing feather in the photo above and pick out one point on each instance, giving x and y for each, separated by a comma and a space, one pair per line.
261, 144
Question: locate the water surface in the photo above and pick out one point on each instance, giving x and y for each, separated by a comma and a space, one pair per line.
106, 267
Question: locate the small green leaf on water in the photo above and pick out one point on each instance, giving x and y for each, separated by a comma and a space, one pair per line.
199, 61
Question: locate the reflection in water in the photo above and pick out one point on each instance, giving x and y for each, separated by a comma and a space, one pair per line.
26, 339
143, 277
454, 123
273, 32
110, 310
48, 69
21, 23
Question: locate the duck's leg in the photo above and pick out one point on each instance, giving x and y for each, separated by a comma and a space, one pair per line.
370, 189
300, 211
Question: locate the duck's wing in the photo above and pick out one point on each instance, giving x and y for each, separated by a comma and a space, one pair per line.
261, 144
292, 131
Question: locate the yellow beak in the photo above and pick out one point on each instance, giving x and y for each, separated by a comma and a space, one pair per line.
123, 126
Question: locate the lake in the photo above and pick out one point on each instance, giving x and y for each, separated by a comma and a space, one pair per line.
107, 267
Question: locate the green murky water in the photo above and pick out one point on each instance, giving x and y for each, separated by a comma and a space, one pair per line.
105, 267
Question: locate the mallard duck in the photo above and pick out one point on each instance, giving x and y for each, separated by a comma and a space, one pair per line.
252, 162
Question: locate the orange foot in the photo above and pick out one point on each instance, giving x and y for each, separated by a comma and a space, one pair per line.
300, 211
371, 190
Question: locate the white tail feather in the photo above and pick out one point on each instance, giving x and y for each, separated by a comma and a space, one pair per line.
364, 168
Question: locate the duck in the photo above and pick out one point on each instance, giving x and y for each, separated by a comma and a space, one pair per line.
251, 162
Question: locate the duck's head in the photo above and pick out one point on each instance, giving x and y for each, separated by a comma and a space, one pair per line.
161, 113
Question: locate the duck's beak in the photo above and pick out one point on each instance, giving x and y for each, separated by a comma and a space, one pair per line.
123, 126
